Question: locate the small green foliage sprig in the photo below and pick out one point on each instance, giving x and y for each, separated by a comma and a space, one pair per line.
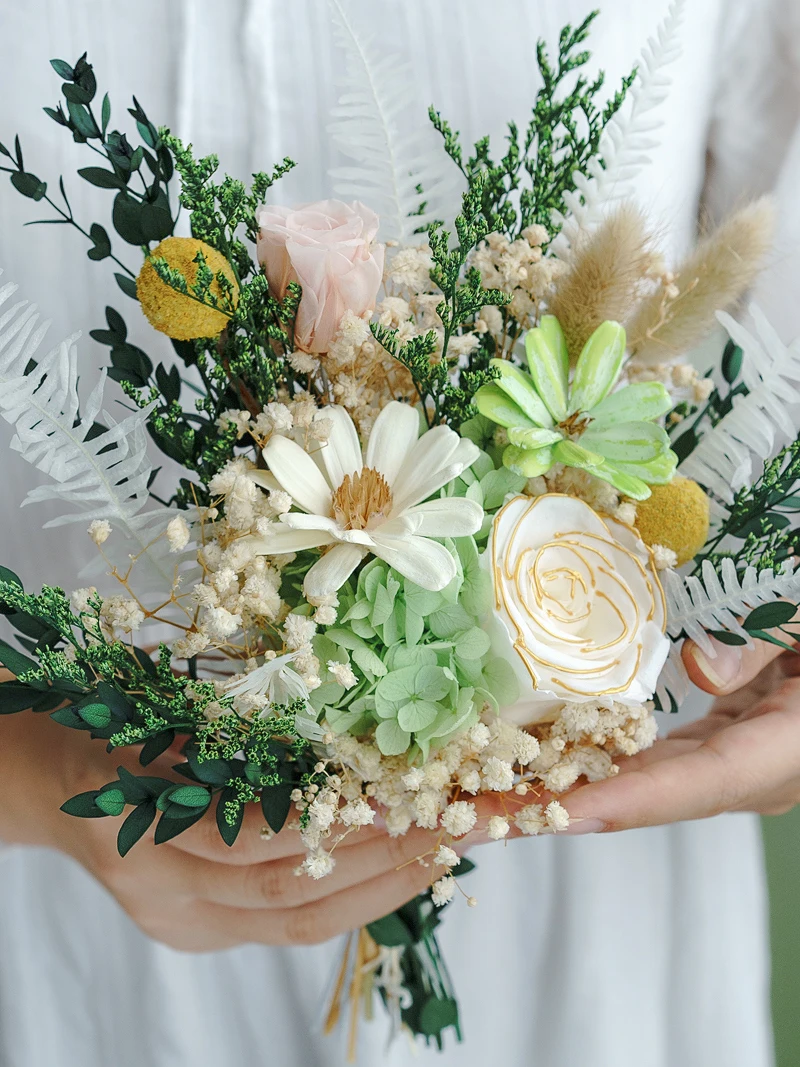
140, 216
445, 389
762, 518
119, 694
530, 181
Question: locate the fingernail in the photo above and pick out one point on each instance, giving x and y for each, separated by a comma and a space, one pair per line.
723, 668
583, 826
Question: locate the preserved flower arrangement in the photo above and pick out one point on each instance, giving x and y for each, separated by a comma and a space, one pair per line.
452, 495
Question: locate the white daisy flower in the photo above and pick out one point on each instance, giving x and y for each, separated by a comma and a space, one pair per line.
372, 504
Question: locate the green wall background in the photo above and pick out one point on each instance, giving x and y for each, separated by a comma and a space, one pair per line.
782, 847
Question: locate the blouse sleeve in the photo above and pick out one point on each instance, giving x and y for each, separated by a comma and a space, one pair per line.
754, 138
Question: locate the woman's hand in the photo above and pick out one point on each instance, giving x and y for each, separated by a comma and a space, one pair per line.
194, 893
743, 756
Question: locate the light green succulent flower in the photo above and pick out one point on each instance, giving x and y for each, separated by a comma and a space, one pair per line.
611, 435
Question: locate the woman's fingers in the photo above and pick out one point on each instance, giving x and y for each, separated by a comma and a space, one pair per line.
321, 920
733, 769
732, 667
275, 885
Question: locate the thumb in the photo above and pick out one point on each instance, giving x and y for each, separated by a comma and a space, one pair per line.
726, 668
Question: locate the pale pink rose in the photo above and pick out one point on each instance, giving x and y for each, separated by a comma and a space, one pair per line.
329, 248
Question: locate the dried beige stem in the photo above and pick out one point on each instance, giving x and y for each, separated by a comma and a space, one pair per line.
713, 277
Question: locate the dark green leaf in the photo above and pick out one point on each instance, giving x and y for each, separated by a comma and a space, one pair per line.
147, 133
135, 826
62, 69
96, 715
685, 444
168, 828
390, 931
14, 698
116, 323
154, 746
29, 185
81, 119
77, 94
764, 635
229, 832
127, 219
131, 364
102, 178
212, 771
13, 660
127, 285
465, 866
111, 801
437, 1014
121, 708
168, 381
727, 638
156, 218
102, 244
69, 717
191, 796
276, 804
105, 113
766, 616
83, 806
731, 362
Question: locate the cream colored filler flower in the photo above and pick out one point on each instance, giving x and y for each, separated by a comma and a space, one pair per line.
376, 504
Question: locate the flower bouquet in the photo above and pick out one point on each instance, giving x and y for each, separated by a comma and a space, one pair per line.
450, 502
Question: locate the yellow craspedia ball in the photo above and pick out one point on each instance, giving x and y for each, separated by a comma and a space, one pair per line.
168, 310
676, 516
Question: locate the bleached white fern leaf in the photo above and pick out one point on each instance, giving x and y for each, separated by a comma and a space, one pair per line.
388, 164
626, 140
713, 601
759, 423
673, 682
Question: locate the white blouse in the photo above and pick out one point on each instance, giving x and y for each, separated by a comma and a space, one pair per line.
644, 949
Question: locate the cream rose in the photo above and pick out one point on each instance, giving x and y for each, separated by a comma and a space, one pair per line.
329, 248
578, 609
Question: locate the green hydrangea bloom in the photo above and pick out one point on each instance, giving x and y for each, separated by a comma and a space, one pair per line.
612, 435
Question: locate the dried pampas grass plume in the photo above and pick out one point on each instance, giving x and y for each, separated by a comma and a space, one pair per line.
716, 274
606, 271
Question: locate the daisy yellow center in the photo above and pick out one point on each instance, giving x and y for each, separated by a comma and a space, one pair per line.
361, 498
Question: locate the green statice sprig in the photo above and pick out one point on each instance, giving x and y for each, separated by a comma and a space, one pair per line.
529, 182
90, 681
444, 388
